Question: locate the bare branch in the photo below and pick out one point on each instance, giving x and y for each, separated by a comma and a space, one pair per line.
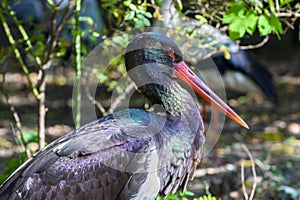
94, 101
47, 62
253, 172
42, 82
118, 100
255, 46
243, 181
55, 29
19, 133
291, 14
23, 144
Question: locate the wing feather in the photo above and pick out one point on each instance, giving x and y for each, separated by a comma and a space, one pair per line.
113, 157
85, 161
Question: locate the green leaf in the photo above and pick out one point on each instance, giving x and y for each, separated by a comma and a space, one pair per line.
138, 23
201, 19
188, 193
129, 15
236, 10
241, 13
29, 136
241, 20
242, 99
132, 7
39, 48
140, 16
127, 3
237, 29
12, 164
228, 18
143, 21
263, 25
120, 40
206, 197
88, 20
268, 25
178, 5
290, 140
284, 2
146, 21
251, 21
159, 2
148, 14
276, 25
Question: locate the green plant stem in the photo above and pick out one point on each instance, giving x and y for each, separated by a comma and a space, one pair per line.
78, 63
51, 4
23, 33
18, 54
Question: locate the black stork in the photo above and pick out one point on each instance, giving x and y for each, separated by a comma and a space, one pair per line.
131, 154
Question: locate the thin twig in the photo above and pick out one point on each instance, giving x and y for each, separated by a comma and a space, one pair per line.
94, 101
265, 167
277, 5
19, 133
253, 172
23, 143
243, 181
118, 100
255, 46
291, 14
288, 25
55, 28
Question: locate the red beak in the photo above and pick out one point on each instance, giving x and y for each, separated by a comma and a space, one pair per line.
185, 74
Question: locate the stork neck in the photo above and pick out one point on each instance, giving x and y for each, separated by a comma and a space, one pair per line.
177, 101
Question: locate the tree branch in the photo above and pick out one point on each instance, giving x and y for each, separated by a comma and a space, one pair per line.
254, 175
255, 46
118, 100
94, 101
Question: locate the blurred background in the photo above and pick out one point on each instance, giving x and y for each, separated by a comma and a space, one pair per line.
254, 45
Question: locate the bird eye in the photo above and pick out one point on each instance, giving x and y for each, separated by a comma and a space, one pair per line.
170, 52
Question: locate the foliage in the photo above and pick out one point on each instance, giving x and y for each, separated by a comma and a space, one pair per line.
29, 139
185, 195
30, 136
206, 197
11, 165
244, 17
129, 14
